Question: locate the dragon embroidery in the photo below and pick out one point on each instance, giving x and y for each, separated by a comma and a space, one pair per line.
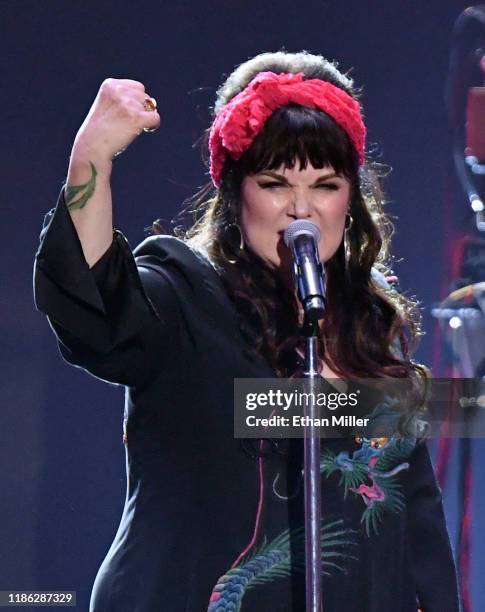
371, 472
273, 560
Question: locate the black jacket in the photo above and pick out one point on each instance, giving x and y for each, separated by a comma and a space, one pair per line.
158, 321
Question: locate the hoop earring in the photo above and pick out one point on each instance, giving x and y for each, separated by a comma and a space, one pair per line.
347, 251
241, 242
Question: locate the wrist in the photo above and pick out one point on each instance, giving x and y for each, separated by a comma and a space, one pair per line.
82, 156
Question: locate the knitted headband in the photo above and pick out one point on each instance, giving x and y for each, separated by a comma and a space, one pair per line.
239, 122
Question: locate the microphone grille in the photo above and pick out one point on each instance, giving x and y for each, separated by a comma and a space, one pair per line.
298, 227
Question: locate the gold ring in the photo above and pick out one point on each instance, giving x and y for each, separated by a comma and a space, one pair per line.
150, 104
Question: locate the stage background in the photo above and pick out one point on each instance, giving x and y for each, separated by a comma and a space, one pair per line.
62, 457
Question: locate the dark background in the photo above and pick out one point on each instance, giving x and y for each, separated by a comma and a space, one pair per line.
62, 457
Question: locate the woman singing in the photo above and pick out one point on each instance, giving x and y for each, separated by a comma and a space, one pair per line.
212, 522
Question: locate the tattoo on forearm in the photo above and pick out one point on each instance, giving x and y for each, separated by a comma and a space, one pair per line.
84, 192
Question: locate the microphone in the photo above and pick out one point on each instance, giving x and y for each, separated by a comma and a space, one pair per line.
302, 237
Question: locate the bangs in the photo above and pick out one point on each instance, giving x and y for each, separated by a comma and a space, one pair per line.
298, 134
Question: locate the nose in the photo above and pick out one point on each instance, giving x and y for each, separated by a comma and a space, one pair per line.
300, 206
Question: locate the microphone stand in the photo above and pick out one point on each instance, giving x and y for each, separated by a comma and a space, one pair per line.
302, 236
311, 466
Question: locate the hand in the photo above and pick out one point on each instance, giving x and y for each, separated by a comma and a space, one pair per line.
116, 118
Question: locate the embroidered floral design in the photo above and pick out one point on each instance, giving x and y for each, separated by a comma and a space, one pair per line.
274, 560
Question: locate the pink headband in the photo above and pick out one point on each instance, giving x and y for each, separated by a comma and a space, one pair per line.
243, 118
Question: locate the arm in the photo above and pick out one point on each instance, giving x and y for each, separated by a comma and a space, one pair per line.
88, 199
102, 315
114, 320
117, 116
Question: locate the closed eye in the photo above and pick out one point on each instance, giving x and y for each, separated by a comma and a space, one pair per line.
273, 184
270, 185
331, 186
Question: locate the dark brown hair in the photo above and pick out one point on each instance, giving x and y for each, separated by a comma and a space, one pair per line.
363, 319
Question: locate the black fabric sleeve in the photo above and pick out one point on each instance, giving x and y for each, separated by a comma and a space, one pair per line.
432, 560
104, 318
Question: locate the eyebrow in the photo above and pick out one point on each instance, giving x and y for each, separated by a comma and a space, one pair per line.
280, 177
